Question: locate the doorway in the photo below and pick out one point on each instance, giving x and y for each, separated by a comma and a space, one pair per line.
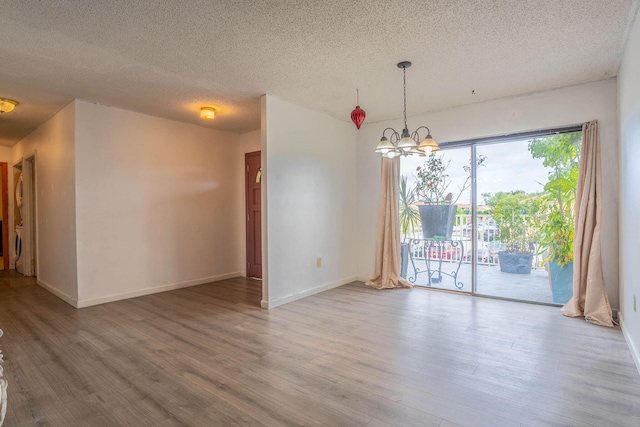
253, 185
24, 248
529, 194
440, 187
4, 229
511, 200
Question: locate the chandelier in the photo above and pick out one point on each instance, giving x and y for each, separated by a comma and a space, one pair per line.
405, 144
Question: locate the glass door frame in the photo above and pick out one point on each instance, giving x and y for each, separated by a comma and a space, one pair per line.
472, 144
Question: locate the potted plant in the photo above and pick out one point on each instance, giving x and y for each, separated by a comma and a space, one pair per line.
561, 153
515, 213
408, 218
438, 211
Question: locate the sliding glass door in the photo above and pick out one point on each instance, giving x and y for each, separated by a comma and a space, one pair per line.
509, 196
508, 209
528, 190
441, 244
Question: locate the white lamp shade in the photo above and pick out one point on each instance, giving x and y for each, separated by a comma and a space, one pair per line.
384, 146
407, 143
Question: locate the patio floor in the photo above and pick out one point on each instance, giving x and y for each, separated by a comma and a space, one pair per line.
491, 281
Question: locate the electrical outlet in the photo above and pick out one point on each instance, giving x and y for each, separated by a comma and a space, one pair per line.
318, 262
634, 303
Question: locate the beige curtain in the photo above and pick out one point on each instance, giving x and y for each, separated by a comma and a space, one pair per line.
388, 245
589, 292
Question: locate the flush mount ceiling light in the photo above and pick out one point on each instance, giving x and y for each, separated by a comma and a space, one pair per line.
7, 105
405, 144
207, 113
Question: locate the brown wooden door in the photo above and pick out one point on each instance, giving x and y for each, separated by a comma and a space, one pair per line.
253, 180
5, 215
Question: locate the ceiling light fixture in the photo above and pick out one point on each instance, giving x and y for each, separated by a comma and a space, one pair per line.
405, 144
207, 113
7, 105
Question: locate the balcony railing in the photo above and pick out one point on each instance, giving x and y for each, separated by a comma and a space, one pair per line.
487, 240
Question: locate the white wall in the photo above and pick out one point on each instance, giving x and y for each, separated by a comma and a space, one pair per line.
554, 108
55, 199
247, 143
309, 160
629, 114
157, 204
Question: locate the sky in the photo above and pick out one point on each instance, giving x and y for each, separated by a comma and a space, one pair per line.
508, 167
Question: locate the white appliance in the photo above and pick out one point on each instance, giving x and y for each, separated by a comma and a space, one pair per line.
17, 250
19, 186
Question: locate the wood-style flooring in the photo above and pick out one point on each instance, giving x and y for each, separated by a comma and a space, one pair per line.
353, 356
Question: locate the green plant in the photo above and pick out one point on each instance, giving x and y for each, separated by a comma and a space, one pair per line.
432, 181
517, 215
561, 153
409, 216
557, 238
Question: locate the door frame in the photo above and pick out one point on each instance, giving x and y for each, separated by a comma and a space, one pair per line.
31, 237
472, 144
5, 214
248, 232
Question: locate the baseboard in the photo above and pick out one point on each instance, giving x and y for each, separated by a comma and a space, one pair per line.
294, 297
154, 290
635, 355
57, 292
362, 279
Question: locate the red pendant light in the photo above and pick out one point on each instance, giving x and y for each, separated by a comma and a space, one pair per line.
358, 115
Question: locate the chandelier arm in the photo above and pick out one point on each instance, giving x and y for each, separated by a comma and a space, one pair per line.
424, 127
395, 138
394, 134
415, 135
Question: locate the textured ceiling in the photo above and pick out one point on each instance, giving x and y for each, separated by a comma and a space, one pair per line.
167, 58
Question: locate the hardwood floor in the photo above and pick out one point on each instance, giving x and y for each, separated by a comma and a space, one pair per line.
353, 356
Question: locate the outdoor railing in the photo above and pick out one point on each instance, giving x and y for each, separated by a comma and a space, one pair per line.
488, 243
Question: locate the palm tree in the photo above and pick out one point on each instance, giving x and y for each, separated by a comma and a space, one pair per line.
409, 216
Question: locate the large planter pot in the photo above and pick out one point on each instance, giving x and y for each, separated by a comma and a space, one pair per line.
515, 263
437, 220
404, 259
561, 279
